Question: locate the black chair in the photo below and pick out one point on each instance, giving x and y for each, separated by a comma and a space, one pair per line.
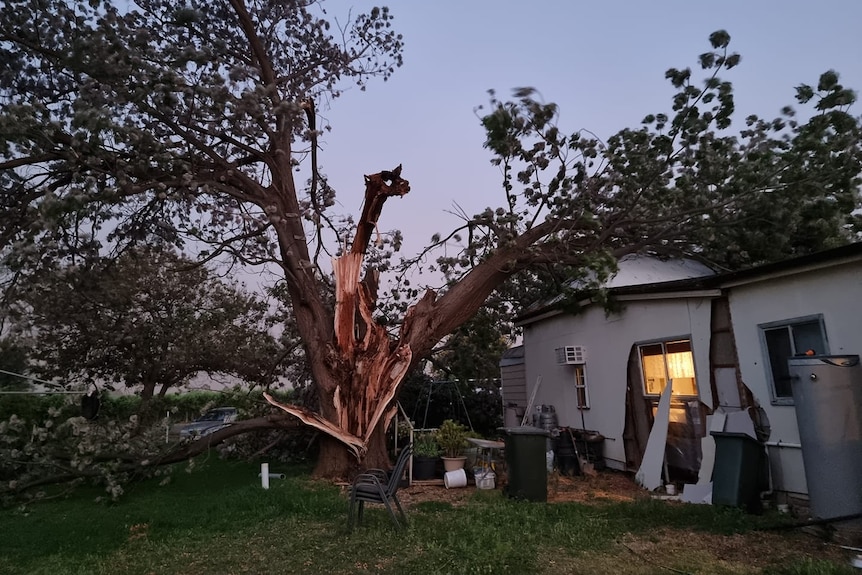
377, 486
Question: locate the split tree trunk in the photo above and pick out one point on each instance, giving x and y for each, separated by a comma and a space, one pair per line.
365, 366
359, 368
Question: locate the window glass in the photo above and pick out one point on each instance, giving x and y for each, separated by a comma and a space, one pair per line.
808, 336
669, 360
783, 341
655, 375
680, 367
581, 388
780, 350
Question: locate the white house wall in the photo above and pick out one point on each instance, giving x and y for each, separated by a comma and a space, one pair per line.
608, 341
836, 293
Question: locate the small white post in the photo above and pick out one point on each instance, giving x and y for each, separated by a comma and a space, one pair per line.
168, 427
264, 475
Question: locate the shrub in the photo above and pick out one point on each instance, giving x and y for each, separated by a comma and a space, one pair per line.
452, 438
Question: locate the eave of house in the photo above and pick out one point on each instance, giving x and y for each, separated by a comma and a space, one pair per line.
709, 286
621, 295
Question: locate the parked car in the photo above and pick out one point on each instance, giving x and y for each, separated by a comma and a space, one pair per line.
211, 421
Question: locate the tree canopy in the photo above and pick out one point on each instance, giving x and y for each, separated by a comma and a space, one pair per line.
193, 124
149, 320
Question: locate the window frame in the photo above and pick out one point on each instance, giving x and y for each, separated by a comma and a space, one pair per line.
579, 374
664, 342
762, 328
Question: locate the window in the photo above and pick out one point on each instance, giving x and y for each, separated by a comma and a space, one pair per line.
581, 387
786, 339
668, 360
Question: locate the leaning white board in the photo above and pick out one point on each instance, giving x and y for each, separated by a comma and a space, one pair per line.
649, 474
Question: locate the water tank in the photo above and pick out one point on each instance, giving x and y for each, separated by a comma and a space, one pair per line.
545, 417
827, 394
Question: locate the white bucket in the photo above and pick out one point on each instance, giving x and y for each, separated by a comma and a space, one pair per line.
485, 480
457, 478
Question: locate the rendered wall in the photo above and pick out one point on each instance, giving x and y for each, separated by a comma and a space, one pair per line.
608, 340
836, 293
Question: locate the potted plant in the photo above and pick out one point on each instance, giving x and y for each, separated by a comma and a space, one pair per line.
452, 439
425, 454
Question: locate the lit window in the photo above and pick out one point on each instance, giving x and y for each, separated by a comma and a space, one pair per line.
581, 387
668, 360
786, 339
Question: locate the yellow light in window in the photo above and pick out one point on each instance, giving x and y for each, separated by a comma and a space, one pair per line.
680, 365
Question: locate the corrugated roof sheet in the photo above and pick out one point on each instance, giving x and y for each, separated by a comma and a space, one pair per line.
640, 270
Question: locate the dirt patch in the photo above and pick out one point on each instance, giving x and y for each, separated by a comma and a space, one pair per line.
603, 487
420, 492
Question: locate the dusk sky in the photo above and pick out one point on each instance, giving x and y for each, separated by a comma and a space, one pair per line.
602, 62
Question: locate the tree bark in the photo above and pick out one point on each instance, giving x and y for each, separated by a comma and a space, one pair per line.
273, 421
361, 367
148, 391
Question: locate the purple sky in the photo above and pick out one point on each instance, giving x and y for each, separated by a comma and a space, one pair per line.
602, 62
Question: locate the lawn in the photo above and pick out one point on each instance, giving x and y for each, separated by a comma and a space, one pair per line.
218, 520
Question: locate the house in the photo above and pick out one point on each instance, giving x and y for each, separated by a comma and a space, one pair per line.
722, 339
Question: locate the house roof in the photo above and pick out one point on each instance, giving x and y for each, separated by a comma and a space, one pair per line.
640, 280
635, 270
512, 356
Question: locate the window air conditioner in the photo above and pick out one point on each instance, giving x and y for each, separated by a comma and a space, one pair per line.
571, 355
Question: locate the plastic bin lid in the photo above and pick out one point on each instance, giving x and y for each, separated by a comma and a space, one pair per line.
732, 434
524, 430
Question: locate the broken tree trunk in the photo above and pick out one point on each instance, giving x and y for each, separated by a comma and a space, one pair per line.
365, 364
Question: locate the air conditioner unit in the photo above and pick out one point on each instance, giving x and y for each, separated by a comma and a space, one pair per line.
571, 355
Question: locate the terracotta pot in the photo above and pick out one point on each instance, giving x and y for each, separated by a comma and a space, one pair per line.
454, 463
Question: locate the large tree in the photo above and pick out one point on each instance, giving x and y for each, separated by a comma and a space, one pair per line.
190, 122
149, 320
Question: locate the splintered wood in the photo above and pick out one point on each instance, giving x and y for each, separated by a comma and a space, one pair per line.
368, 362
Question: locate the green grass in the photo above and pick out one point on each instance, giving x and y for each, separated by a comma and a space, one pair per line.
218, 520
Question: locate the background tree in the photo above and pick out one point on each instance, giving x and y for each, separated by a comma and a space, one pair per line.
472, 352
189, 123
13, 359
149, 320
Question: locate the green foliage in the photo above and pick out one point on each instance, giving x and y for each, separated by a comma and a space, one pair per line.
41, 452
693, 180
683, 183
149, 124
472, 352
428, 403
146, 320
451, 436
425, 445
30, 407
483, 403
13, 358
47, 448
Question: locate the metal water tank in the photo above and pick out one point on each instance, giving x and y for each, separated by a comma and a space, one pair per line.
546, 418
827, 395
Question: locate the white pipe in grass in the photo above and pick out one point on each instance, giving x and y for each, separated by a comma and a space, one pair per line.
264, 475
274, 475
